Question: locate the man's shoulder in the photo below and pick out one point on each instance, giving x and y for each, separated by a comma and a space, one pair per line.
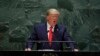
61, 25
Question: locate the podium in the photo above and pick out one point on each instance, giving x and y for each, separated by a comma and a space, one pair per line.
51, 52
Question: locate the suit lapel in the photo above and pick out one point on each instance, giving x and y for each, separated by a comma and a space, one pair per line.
55, 36
56, 33
45, 32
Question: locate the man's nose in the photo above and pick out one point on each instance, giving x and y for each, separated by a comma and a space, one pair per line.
55, 18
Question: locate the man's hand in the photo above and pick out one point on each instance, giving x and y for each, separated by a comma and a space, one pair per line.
75, 50
28, 49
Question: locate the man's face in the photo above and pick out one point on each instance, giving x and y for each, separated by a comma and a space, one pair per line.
52, 18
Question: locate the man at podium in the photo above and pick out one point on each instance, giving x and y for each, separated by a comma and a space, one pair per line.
50, 32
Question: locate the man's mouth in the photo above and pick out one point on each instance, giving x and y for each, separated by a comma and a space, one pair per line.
54, 21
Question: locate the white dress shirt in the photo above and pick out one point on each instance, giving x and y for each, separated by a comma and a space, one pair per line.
48, 28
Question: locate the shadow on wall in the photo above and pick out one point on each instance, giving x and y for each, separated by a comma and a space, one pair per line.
3, 28
65, 4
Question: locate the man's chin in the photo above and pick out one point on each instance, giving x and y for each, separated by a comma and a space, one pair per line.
53, 24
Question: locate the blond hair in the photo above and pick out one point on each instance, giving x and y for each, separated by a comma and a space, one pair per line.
52, 10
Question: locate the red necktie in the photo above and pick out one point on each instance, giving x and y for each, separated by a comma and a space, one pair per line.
50, 36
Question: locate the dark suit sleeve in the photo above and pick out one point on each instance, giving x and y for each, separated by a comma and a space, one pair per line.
33, 37
67, 37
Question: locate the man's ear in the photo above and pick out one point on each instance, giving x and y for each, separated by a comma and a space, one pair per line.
47, 18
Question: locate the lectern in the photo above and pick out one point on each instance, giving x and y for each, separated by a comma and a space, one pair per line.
51, 52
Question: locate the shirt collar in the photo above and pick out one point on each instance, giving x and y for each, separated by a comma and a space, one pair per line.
48, 26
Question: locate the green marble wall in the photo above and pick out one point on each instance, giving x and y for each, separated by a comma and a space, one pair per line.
81, 17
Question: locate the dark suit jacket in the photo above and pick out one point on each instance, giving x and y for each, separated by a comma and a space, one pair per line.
39, 33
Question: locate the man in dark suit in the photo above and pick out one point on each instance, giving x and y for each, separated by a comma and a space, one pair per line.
50, 32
